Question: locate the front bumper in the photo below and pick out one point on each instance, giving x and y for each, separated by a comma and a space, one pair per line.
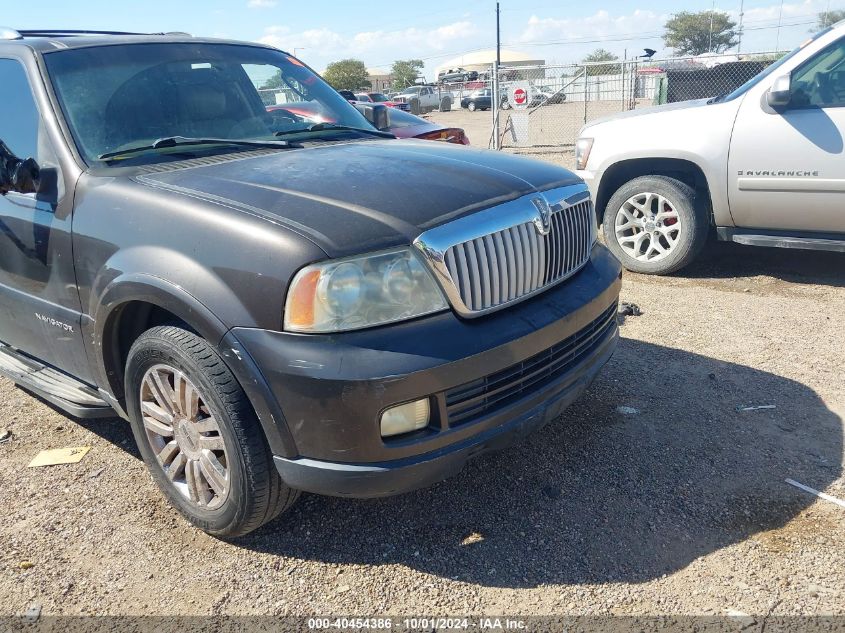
332, 389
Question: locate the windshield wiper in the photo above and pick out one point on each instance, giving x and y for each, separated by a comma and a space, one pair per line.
318, 127
718, 98
176, 141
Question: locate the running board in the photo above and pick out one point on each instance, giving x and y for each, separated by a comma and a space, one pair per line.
56, 387
783, 241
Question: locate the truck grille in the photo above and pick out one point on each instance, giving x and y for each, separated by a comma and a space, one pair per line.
473, 400
504, 266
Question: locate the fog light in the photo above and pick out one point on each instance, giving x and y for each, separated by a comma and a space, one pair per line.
405, 418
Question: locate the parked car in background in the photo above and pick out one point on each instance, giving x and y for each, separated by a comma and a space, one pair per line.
764, 165
378, 97
422, 99
347, 94
478, 100
456, 75
400, 123
407, 125
276, 305
540, 95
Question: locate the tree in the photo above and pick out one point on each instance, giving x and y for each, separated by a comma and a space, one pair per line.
405, 72
601, 55
347, 74
827, 18
273, 82
702, 32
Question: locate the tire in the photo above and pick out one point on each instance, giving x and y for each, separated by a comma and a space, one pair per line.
445, 104
669, 238
471, 106
167, 360
506, 105
415, 106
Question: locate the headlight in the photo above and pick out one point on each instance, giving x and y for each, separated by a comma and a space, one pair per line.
583, 146
359, 292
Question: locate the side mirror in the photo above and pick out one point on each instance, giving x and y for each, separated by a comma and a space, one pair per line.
780, 94
376, 113
22, 176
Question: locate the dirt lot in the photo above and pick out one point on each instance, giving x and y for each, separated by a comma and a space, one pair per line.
678, 506
552, 125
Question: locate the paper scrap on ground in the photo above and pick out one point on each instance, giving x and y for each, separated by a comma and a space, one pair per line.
71, 455
757, 408
812, 491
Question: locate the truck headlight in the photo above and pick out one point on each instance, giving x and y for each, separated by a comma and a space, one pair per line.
583, 146
359, 292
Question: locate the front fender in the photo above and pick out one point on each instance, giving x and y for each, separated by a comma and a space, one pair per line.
101, 335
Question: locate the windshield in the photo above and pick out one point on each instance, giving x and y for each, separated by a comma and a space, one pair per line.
378, 97
768, 71
128, 96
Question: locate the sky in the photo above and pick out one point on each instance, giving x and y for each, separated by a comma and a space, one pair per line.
435, 31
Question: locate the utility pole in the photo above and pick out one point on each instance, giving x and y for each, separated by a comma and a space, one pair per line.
739, 30
780, 18
498, 38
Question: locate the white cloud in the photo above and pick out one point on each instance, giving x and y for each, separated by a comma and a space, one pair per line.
322, 46
261, 4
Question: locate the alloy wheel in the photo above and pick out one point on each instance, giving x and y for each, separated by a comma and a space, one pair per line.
648, 227
185, 436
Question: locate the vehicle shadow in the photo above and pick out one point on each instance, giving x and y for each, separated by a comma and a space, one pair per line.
598, 496
723, 260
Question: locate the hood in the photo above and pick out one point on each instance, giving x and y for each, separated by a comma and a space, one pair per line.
351, 198
642, 112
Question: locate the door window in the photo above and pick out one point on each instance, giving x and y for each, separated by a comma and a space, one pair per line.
820, 82
18, 112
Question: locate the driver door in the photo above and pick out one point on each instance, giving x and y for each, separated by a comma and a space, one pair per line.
39, 304
787, 168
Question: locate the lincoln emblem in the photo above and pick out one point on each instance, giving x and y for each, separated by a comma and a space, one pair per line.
543, 222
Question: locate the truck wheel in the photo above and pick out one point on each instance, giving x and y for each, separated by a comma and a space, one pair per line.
655, 224
415, 106
199, 436
445, 104
471, 106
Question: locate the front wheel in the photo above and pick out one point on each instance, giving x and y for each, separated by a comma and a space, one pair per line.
655, 224
471, 106
199, 435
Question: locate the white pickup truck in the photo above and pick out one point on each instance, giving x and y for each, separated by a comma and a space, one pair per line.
763, 165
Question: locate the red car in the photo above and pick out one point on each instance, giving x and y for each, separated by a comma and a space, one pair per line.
402, 124
377, 97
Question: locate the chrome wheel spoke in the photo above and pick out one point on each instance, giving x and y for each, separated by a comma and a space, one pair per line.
212, 443
159, 428
168, 454
213, 472
186, 397
176, 468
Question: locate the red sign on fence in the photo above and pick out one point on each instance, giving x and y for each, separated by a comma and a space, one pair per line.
520, 96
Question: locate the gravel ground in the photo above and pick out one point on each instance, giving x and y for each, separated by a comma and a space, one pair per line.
678, 506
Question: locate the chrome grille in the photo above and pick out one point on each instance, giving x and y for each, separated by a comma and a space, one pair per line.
509, 264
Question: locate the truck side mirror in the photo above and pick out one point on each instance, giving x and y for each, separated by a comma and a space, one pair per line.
780, 94
20, 175
376, 113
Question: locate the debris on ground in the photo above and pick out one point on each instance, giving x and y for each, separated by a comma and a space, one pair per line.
813, 491
26, 564
627, 410
70, 455
757, 407
97, 473
472, 539
5, 435
33, 613
629, 309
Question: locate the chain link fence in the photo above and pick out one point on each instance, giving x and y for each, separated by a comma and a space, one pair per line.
541, 109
